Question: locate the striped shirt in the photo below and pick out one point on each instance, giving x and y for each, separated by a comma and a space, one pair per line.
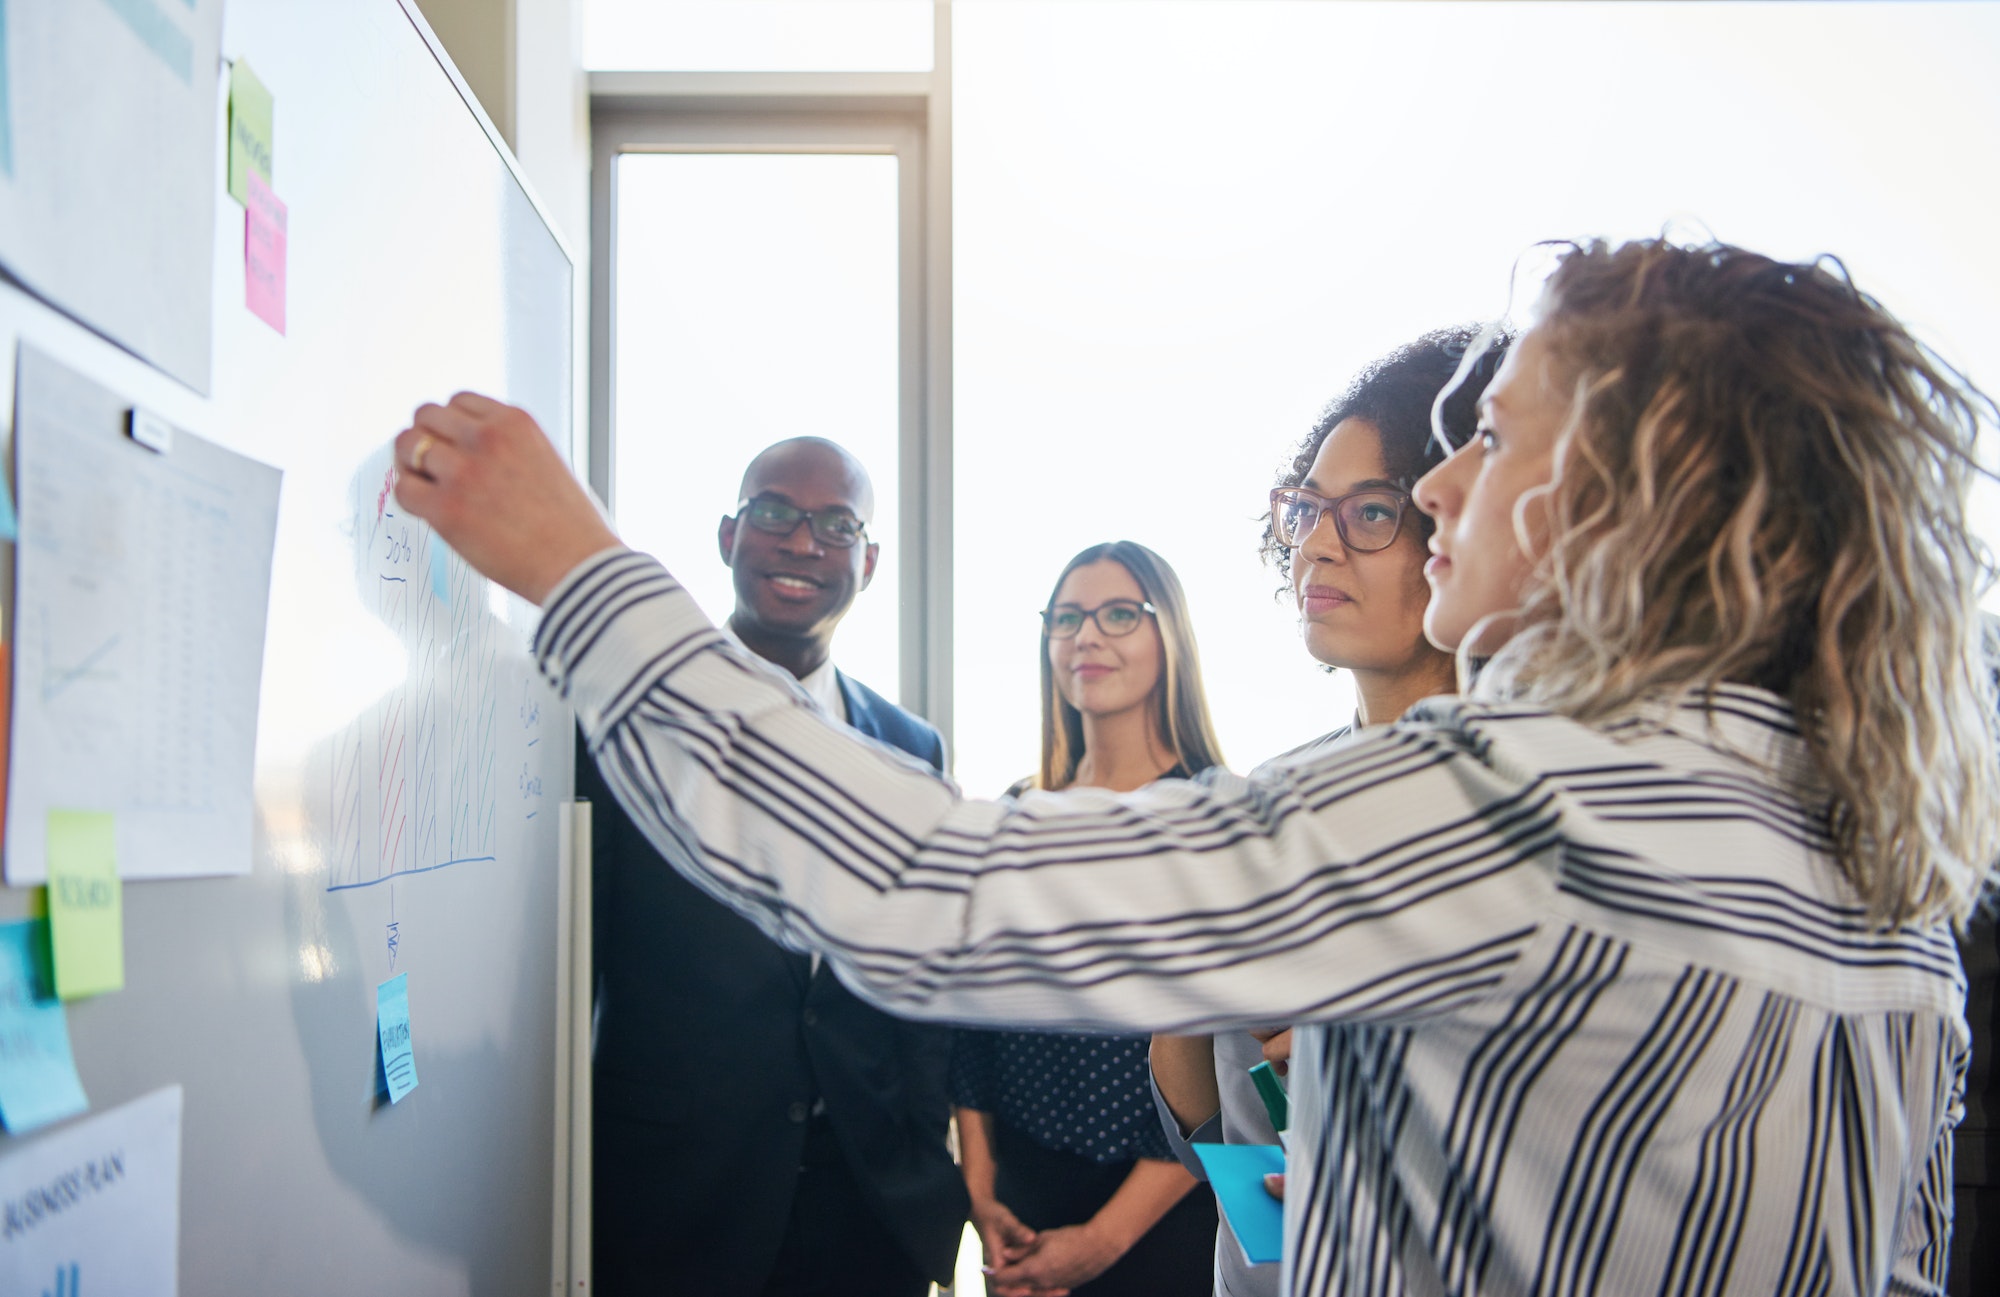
1582, 1009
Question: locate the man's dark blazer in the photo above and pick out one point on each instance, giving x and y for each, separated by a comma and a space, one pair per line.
713, 1043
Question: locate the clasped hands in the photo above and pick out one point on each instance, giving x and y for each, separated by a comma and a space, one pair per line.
1021, 1262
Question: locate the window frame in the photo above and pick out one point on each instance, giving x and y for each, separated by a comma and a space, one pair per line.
904, 114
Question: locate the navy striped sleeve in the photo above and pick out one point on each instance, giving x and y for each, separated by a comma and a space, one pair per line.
1582, 1008
1303, 893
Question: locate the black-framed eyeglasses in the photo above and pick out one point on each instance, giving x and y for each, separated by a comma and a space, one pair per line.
1114, 617
1366, 520
836, 527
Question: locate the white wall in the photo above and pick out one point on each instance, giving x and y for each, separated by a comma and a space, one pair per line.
1180, 227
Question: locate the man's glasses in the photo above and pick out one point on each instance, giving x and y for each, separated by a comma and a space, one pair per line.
1114, 617
1366, 520
835, 527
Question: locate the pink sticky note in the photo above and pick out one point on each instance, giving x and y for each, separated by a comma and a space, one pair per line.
264, 254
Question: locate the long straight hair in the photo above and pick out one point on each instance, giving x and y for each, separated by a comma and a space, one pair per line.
1180, 705
1763, 480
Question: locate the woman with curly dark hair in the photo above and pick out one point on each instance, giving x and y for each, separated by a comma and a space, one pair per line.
1344, 532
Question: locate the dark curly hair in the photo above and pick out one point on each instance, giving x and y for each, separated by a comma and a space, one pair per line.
1396, 394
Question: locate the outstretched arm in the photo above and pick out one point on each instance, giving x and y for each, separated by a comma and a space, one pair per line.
1379, 880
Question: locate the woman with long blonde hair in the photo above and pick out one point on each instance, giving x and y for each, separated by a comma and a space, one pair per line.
1074, 1186
1632, 971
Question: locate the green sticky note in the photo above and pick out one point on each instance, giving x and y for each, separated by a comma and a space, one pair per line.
86, 903
249, 130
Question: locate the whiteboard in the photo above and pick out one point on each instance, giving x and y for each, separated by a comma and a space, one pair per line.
418, 265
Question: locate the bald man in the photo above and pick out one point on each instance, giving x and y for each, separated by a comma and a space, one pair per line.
759, 1130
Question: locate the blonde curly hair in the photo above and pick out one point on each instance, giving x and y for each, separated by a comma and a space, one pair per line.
1763, 480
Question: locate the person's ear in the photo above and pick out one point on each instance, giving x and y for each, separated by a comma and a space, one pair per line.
868, 557
725, 540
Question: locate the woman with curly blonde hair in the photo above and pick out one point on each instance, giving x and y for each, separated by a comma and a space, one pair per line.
1756, 476
1632, 971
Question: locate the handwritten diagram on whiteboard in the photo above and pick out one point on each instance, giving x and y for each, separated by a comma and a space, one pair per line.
443, 768
142, 584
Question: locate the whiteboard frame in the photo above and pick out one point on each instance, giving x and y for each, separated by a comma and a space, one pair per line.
577, 453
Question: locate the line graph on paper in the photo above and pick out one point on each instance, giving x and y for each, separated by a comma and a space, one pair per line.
415, 778
141, 595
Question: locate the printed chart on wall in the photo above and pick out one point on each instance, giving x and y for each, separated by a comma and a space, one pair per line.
443, 768
112, 1176
142, 583
107, 167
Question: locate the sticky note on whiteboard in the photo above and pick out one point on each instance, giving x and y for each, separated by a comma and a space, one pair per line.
249, 130
86, 903
38, 1080
440, 569
264, 255
395, 1056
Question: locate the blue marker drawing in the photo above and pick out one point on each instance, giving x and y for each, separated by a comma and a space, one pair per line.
55, 682
530, 784
415, 780
66, 1282
397, 545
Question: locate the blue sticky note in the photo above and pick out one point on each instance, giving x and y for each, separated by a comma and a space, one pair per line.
38, 1080
10, 527
1236, 1172
392, 1031
440, 568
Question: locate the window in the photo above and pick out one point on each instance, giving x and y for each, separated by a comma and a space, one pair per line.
756, 298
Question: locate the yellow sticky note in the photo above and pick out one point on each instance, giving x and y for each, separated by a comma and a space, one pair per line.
249, 130
6, 731
86, 903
